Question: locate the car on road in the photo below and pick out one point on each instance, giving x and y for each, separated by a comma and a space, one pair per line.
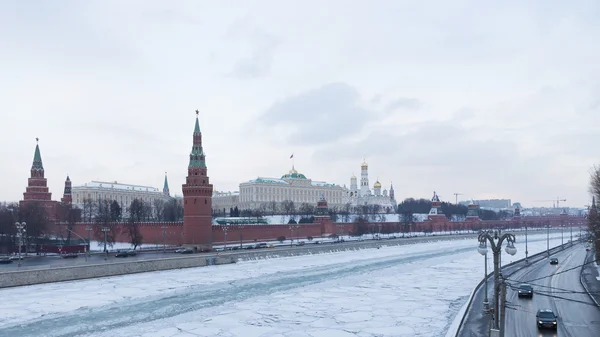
69, 255
5, 260
546, 318
553, 260
125, 253
525, 290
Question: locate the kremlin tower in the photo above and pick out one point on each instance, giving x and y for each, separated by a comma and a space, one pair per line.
37, 188
436, 214
166, 187
67, 197
197, 197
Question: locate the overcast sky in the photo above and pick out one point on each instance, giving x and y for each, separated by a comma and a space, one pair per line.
491, 99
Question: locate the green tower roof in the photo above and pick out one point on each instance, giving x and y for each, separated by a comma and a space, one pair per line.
166, 185
197, 157
37, 159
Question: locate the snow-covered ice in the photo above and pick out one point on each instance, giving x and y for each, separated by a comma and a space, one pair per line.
412, 290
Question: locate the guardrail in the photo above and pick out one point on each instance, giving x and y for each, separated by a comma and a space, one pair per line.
477, 288
587, 290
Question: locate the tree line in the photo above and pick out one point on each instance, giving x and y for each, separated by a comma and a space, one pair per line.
44, 228
593, 215
372, 213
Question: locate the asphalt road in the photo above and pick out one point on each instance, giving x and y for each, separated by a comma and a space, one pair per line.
556, 287
47, 262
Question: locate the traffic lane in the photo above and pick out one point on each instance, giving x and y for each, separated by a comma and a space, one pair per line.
520, 312
477, 324
41, 262
575, 319
577, 313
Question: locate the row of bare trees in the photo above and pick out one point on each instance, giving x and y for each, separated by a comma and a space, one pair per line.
33, 214
594, 215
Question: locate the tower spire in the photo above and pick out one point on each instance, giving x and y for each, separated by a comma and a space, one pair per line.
166, 186
37, 158
197, 157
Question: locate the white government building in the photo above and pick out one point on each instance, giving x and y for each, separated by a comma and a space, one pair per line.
124, 194
298, 188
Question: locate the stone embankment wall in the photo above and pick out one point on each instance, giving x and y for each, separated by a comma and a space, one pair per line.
30, 277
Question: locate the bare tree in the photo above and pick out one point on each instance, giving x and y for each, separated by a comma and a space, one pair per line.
595, 182
306, 210
137, 213
70, 215
273, 207
89, 209
159, 209
288, 207
104, 219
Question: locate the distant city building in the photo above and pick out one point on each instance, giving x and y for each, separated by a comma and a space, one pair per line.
292, 186
124, 194
491, 203
363, 196
224, 201
296, 187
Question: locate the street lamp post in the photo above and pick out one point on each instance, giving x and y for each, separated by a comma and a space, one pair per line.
89, 231
483, 251
105, 230
548, 239
241, 228
164, 233
571, 225
526, 251
21, 230
496, 240
225, 232
562, 237
291, 236
77, 235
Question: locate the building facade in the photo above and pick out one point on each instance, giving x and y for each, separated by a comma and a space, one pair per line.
224, 201
124, 194
364, 196
292, 186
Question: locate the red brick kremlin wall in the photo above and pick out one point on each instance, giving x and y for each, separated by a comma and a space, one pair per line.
152, 232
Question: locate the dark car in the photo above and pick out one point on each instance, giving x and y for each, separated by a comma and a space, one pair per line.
545, 318
525, 290
121, 254
126, 253
186, 251
69, 255
5, 260
553, 260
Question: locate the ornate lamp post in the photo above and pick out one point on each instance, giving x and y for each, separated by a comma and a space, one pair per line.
164, 233
105, 230
496, 239
21, 230
225, 228
89, 230
483, 250
241, 228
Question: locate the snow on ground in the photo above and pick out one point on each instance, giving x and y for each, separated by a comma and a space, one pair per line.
412, 290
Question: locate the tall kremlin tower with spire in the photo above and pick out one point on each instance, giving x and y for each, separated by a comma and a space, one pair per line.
37, 186
197, 197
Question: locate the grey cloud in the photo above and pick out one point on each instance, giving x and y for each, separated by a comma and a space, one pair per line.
403, 103
445, 148
259, 62
320, 115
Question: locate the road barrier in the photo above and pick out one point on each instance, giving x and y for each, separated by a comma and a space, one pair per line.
532, 259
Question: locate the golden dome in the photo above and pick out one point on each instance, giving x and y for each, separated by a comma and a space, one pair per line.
364, 164
377, 184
